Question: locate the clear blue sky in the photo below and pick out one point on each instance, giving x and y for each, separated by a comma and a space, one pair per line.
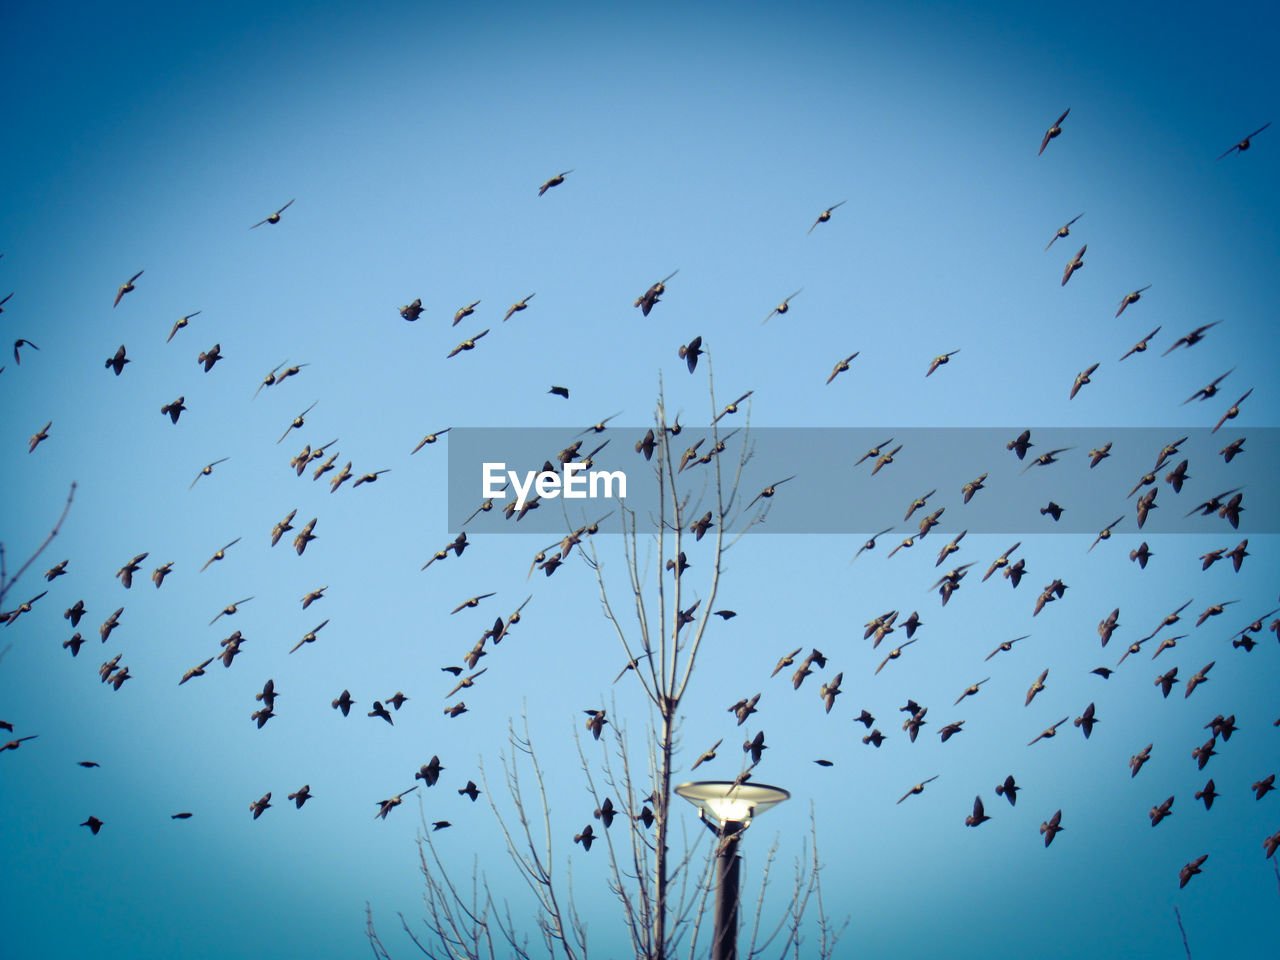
414, 138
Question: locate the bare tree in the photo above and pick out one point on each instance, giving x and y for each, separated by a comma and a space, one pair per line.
663, 897
6, 581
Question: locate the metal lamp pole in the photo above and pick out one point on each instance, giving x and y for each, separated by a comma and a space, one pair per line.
724, 945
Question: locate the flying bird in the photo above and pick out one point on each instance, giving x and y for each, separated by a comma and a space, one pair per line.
1075, 263
918, 788
842, 366
275, 217
553, 182
1130, 298
517, 307
1051, 828
781, 308
1049, 134
939, 360
825, 215
1141, 345
1063, 231
647, 299
126, 287
1192, 338
1081, 380
1243, 145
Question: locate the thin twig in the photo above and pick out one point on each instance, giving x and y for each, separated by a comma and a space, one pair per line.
1183, 930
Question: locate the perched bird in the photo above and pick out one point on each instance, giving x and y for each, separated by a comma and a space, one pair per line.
1243, 145
554, 182
825, 215
275, 217
1049, 134
126, 287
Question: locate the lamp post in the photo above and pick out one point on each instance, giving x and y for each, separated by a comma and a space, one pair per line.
727, 808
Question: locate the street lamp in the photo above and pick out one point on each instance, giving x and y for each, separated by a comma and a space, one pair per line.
727, 808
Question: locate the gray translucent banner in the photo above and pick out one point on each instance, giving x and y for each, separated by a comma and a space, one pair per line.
832, 493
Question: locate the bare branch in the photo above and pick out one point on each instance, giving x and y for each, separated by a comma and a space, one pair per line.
7, 582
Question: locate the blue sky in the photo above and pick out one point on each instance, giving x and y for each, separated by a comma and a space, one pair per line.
414, 139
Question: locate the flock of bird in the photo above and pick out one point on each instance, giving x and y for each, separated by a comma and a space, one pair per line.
321, 460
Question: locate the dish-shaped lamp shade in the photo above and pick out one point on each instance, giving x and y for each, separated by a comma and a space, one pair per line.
723, 801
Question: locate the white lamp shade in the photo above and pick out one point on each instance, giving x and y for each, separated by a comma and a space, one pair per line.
723, 801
